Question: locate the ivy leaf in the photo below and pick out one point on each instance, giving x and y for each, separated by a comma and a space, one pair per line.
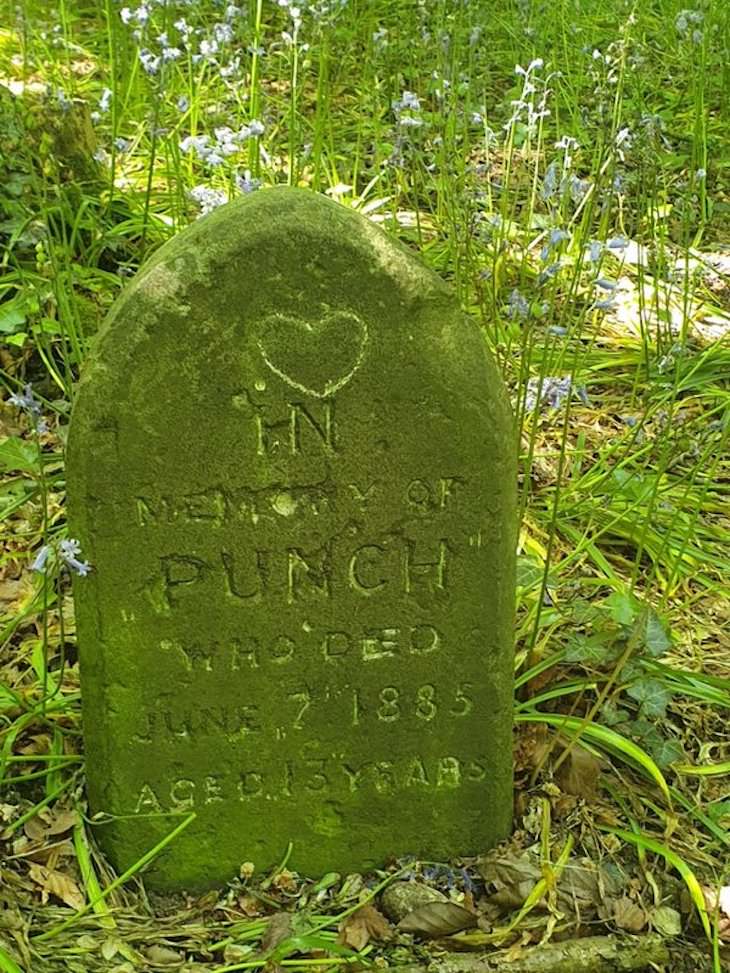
666, 752
18, 454
656, 637
611, 715
622, 606
12, 317
596, 649
651, 695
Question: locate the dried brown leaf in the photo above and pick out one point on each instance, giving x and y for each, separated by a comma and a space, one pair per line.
717, 902
279, 928
249, 905
437, 919
629, 915
402, 898
361, 926
579, 773
58, 884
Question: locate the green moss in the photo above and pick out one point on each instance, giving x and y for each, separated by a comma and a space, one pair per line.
292, 463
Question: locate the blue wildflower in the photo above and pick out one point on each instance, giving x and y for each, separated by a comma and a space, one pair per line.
39, 563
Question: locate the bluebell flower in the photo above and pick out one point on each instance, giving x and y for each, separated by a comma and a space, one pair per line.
595, 249
408, 100
549, 272
552, 391
467, 880
208, 199
39, 563
246, 183
578, 188
68, 549
557, 236
550, 182
517, 305
150, 62
26, 401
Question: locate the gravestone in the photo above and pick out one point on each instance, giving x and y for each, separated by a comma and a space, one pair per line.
292, 465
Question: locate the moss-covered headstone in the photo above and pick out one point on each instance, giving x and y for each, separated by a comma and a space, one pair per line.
292, 466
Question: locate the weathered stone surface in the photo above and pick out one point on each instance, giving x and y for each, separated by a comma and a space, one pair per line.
292, 465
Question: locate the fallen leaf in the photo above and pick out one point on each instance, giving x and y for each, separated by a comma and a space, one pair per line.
530, 746
717, 902
402, 898
361, 926
279, 928
629, 915
579, 773
57, 884
48, 823
666, 921
583, 885
437, 919
62, 821
249, 905
109, 948
163, 956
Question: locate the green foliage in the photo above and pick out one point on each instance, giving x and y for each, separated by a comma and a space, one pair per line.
622, 631
626, 489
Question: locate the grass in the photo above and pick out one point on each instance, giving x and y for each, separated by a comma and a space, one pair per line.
579, 206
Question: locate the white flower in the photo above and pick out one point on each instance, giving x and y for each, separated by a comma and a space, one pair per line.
149, 61
208, 199
105, 100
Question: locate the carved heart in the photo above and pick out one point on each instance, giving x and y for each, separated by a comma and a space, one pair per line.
318, 356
